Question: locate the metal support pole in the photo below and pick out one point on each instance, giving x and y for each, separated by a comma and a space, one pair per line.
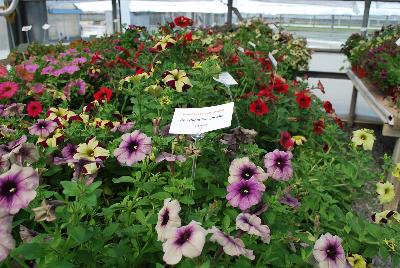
367, 6
229, 20
353, 102
114, 15
396, 159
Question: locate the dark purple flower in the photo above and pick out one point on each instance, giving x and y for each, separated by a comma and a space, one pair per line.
244, 169
279, 165
27, 153
289, 200
69, 151
328, 251
133, 148
43, 128
164, 156
18, 188
245, 193
11, 148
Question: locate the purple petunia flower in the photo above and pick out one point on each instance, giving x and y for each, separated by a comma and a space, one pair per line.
185, 241
43, 128
18, 188
31, 68
133, 148
289, 200
70, 69
244, 169
232, 246
279, 165
79, 84
251, 224
245, 193
47, 70
123, 127
14, 109
170, 157
168, 218
7, 243
79, 60
328, 251
11, 148
69, 151
26, 153
38, 88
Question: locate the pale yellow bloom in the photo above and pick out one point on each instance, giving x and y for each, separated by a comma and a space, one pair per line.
165, 101
90, 151
51, 140
364, 137
299, 140
357, 261
396, 171
179, 77
385, 192
164, 41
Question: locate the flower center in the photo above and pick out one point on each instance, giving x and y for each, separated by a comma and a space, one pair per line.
247, 173
133, 146
331, 252
387, 190
8, 189
90, 152
8, 88
165, 217
280, 163
363, 137
42, 125
184, 237
244, 190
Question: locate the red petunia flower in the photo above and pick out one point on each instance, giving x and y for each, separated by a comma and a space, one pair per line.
258, 107
318, 127
215, 49
303, 100
286, 140
183, 21
328, 107
339, 122
34, 108
280, 86
104, 93
235, 59
189, 36
320, 86
3, 71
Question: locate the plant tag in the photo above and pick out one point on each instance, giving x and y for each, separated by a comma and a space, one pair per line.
226, 79
196, 121
273, 60
46, 26
240, 49
273, 28
252, 44
26, 28
398, 42
363, 29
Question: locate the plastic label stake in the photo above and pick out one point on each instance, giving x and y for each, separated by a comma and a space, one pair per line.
273, 60
26, 29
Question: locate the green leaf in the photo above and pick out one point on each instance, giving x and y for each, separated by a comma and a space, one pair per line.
141, 217
205, 265
161, 195
80, 233
226, 222
70, 188
187, 200
31, 251
60, 264
124, 179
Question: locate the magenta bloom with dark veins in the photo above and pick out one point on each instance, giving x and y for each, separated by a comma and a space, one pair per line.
328, 251
43, 128
279, 165
18, 188
245, 193
133, 148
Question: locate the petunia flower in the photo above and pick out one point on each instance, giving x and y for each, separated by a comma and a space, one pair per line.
69, 151
164, 43
279, 165
5, 221
183, 21
164, 156
303, 100
168, 218
299, 140
133, 148
52, 140
386, 216
14, 109
18, 188
26, 234
177, 79
245, 193
4, 165
289, 200
46, 211
244, 169
396, 171
364, 137
238, 136
11, 148
103, 94
328, 252
328, 107
258, 107
357, 261
286, 140
3, 71
318, 127
8, 89
34, 108
43, 128
232, 246
38, 88
251, 224
385, 192
91, 151
7, 243
185, 241
27, 153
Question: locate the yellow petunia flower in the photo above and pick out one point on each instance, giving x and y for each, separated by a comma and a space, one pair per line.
177, 79
91, 150
165, 101
299, 140
364, 137
385, 192
357, 261
396, 171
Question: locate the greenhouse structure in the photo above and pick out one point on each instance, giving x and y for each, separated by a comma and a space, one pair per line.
210, 133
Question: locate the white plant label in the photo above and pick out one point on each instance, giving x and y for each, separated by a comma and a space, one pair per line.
26, 28
252, 44
398, 42
241, 49
46, 26
195, 121
273, 60
363, 29
273, 28
226, 79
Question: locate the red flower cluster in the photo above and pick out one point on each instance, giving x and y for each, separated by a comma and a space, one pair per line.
34, 108
104, 93
286, 140
259, 107
328, 107
318, 127
303, 100
183, 21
